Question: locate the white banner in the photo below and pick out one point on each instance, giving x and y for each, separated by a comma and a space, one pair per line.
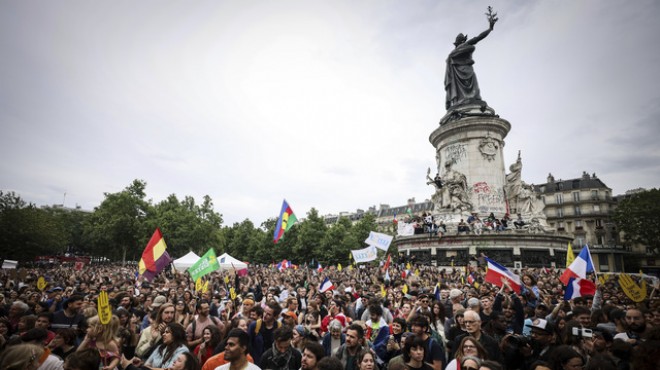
405, 229
379, 240
9, 264
365, 255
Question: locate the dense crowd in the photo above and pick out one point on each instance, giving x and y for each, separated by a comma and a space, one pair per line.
412, 317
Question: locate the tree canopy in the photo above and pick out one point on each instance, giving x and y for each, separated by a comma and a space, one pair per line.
120, 227
638, 217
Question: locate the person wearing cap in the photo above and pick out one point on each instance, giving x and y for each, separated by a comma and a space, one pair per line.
155, 306
472, 322
543, 341
54, 299
151, 336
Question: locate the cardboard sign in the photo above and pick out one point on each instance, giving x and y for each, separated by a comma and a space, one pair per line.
631, 289
105, 312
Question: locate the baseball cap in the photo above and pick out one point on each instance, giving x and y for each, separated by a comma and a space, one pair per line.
541, 324
454, 293
158, 301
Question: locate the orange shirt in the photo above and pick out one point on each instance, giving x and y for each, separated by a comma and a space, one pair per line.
219, 360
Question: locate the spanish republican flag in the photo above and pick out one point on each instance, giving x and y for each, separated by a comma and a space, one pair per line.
286, 221
154, 258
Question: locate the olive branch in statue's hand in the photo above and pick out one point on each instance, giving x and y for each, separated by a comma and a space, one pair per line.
492, 17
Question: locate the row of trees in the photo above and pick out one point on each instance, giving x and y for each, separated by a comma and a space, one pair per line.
121, 225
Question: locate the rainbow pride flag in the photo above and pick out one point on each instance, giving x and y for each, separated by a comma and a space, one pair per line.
154, 258
286, 221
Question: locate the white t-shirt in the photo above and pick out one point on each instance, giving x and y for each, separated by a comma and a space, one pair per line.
250, 366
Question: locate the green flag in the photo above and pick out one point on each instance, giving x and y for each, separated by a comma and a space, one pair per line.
206, 264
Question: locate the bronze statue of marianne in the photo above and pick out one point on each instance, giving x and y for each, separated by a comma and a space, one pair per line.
460, 81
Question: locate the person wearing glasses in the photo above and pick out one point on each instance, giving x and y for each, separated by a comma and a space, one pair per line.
472, 322
468, 348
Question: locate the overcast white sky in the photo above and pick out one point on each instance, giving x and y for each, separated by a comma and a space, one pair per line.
328, 104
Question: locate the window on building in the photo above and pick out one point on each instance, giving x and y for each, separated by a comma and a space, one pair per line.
560, 225
596, 207
560, 212
559, 198
578, 223
599, 223
576, 196
594, 195
599, 240
579, 242
577, 211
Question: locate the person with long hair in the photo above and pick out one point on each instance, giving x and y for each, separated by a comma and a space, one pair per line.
186, 361
22, 357
181, 313
64, 343
456, 329
366, 360
438, 319
211, 337
469, 346
174, 344
104, 339
236, 323
153, 333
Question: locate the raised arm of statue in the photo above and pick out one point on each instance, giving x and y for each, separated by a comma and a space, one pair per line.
492, 18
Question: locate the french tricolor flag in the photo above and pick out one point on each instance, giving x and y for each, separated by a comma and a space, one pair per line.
326, 285
579, 288
319, 268
497, 273
581, 266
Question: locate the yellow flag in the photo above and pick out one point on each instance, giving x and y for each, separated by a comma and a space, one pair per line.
199, 285
232, 293
601, 280
226, 279
408, 266
41, 283
205, 288
350, 268
476, 285
383, 292
104, 310
404, 289
417, 272
339, 267
570, 256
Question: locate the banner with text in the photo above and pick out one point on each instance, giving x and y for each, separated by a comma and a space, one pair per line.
379, 240
365, 255
404, 229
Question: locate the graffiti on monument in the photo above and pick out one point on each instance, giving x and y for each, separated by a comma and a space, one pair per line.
488, 198
455, 153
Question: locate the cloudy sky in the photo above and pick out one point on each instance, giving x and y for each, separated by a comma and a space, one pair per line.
326, 103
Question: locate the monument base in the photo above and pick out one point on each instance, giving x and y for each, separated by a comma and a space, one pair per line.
512, 248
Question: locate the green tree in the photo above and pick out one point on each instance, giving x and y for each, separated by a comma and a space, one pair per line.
638, 217
311, 234
119, 224
337, 243
27, 231
186, 225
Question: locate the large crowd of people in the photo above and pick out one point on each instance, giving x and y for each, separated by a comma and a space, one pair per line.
413, 317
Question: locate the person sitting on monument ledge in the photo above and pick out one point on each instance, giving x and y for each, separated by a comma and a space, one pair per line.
463, 227
519, 223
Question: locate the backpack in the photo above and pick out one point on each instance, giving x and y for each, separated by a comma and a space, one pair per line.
258, 326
